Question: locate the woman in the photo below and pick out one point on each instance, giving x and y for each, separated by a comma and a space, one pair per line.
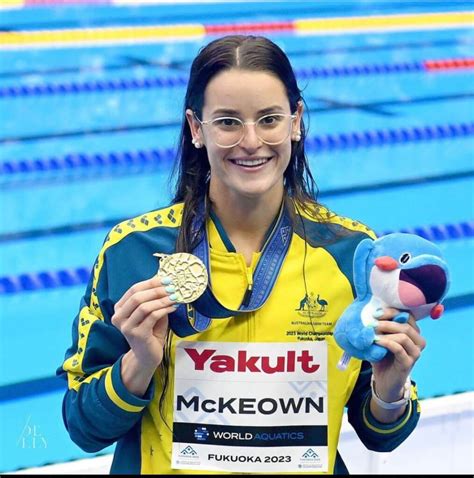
258, 390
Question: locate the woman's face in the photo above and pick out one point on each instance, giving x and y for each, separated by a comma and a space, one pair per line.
247, 95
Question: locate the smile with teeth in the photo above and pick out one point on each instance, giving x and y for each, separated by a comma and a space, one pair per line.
250, 163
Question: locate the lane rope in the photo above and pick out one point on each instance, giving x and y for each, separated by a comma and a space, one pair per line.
157, 157
98, 86
76, 37
34, 281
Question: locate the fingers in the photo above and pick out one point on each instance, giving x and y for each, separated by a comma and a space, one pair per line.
155, 322
396, 315
148, 284
388, 313
141, 300
404, 350
410, 329
150, 311
142, 291
403, 340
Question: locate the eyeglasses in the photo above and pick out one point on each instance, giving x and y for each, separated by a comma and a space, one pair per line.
271, 129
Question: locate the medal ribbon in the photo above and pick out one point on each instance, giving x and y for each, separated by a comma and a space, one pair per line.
191, 319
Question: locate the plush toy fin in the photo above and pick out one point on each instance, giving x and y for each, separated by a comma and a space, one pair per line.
437, 311
361, 257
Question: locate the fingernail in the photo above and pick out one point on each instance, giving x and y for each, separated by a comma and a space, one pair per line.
166, 280
170, 289
373, 323
377, 338
378, 313
176, 305
173, 297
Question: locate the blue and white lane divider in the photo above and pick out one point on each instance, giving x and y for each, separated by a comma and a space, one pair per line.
35, 281
158, 157
95, 86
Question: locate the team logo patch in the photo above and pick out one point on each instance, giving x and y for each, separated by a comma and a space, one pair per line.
312, 306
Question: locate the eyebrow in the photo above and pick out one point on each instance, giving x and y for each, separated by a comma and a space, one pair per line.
230, 111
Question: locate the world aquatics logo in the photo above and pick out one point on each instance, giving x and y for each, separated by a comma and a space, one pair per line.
201, 434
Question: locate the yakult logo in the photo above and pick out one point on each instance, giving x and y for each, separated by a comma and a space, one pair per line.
243, 362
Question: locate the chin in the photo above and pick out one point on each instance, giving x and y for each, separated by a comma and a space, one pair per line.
264, 184
253, 192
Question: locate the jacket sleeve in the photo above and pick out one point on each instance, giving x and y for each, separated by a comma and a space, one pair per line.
377, 436
97, 408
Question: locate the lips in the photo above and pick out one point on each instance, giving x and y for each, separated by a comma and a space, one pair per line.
421, 285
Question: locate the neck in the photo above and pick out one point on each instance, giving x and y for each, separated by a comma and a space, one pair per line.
246, 217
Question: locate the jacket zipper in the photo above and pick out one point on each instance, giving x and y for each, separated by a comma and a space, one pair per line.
248, 292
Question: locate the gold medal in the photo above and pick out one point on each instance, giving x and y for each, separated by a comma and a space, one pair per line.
187, 272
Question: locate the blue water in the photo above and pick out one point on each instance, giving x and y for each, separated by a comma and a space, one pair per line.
36, 326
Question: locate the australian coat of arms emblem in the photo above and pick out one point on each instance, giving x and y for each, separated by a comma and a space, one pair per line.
313, 306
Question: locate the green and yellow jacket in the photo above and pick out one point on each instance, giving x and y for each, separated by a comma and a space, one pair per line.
98, 410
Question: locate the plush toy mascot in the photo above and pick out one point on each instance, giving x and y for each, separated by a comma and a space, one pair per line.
403, 271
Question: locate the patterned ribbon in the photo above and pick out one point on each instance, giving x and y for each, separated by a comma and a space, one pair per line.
190, 319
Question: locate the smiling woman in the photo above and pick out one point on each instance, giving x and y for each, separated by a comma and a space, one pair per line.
246, 206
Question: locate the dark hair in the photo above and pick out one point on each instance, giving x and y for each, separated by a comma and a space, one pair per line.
192, 168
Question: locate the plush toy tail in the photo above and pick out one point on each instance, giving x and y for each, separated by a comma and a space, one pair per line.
344, 361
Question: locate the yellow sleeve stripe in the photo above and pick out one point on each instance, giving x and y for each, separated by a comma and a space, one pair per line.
109, 388
75, 379
322, 214
73, 364
385, 431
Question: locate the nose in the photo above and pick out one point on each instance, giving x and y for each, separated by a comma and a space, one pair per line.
250, 141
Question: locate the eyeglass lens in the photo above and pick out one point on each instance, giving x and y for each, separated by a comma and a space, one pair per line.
271, 129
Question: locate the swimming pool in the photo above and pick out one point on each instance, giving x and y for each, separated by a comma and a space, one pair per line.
87, 139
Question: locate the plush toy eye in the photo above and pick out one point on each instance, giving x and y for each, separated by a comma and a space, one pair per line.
405, 257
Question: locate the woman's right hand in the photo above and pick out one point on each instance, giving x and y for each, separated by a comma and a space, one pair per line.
142, 317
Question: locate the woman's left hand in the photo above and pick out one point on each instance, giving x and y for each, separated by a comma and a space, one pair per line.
405, 344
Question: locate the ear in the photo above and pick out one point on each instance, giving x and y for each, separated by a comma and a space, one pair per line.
361, 258
194, 126
297, 122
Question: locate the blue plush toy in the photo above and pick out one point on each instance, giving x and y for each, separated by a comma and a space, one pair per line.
403, 271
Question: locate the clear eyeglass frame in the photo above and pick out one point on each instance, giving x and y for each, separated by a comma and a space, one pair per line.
245, 123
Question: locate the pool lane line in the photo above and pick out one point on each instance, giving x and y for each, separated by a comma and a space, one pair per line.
185, 64
108, 36
109, 223
8, 4
90, 175
143, 163
306, 9
128, 84
74, 276
334, 105
318, 143
103, 36
40, 386
60, 230
362, 188
383, 23
450, 64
